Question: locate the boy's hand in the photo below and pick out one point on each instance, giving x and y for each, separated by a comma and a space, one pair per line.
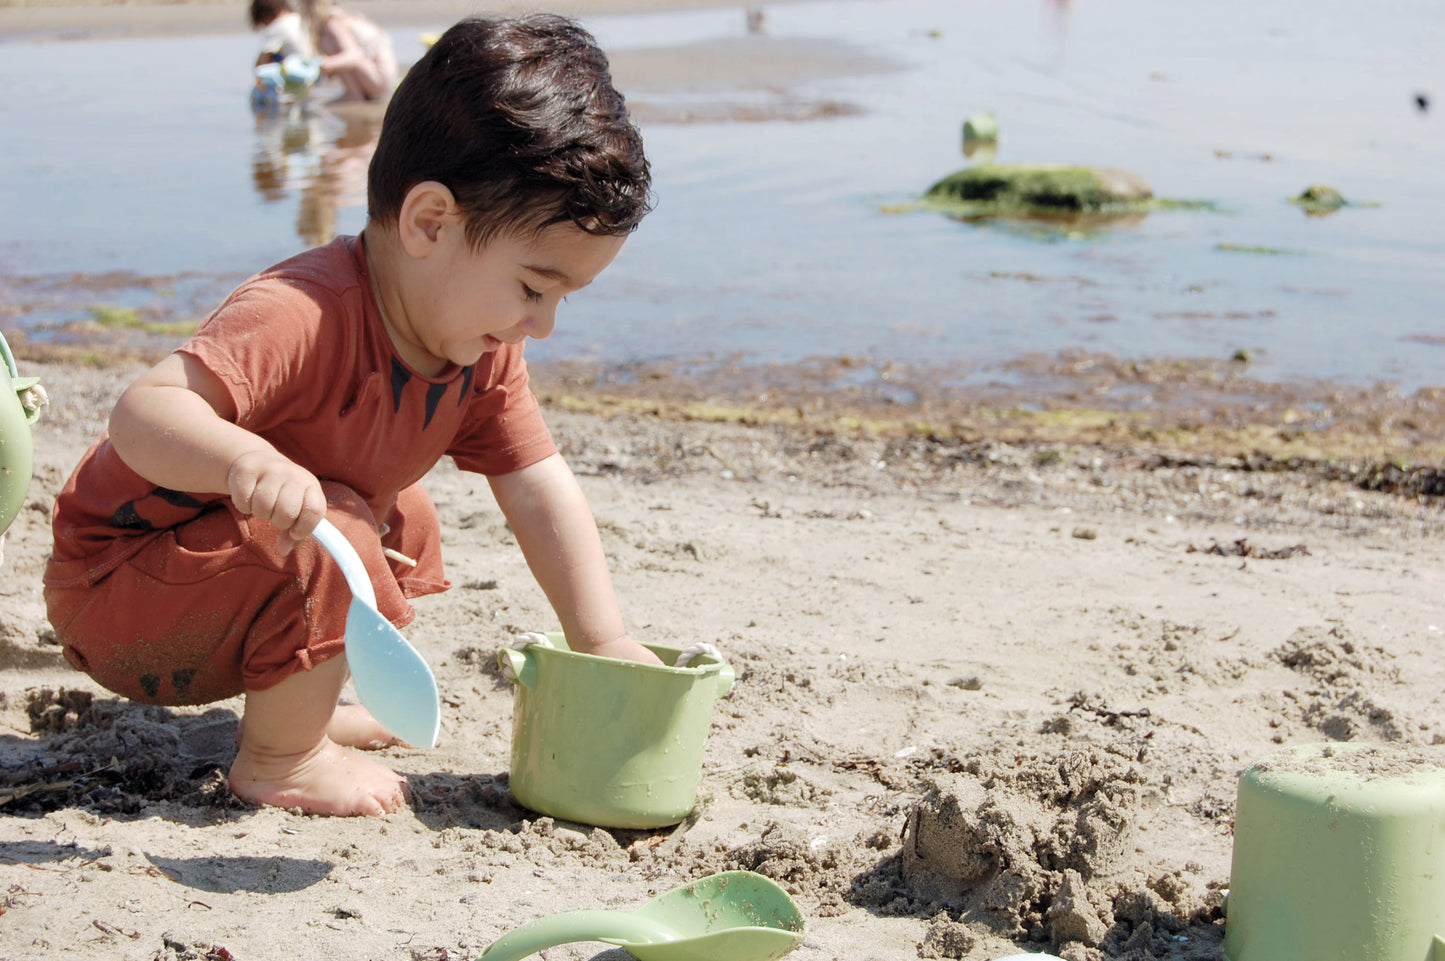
625, 648
275, 489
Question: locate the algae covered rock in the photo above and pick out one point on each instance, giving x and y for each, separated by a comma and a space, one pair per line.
1034, 189
1318, 200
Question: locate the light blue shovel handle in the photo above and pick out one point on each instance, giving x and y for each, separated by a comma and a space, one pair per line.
348, 560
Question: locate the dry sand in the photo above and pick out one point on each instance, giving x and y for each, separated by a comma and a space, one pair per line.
996, 679
988, 694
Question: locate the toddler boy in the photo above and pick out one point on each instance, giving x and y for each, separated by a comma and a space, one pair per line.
507, 175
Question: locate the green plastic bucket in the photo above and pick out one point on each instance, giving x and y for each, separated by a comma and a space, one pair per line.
17, 453
1339, 855
609, 742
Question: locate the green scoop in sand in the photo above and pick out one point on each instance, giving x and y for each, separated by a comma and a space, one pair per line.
732, 916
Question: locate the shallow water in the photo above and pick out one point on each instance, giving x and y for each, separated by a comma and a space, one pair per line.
774, 241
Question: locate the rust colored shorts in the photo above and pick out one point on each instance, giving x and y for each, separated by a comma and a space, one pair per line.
210, 609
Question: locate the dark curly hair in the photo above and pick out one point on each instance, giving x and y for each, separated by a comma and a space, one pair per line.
519, 119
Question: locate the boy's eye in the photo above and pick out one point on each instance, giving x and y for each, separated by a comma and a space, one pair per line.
530, 293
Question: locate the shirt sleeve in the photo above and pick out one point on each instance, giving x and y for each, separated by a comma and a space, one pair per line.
262, 344
504, 430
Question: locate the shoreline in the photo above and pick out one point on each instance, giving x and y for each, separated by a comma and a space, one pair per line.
1168, 410
84, 19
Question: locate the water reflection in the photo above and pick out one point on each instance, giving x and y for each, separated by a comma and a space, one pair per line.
1057, 15
317, 151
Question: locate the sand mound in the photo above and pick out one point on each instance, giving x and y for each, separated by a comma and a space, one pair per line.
1343, 699
1042, 848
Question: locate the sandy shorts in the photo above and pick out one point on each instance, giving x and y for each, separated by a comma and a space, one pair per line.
210, 609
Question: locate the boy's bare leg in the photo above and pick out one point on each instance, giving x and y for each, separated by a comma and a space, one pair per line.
352, 725
287, 760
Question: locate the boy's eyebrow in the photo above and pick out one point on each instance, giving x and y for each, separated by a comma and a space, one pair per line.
552, 273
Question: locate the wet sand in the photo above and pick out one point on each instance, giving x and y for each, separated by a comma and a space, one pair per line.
1002, 650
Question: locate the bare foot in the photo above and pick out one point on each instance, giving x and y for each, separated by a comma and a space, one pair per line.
327, 779
352, 725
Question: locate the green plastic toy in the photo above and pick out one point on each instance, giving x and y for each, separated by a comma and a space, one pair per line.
21, 400
609, 742
1337, 856
732, 916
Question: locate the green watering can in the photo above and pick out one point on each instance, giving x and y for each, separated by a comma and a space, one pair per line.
21, 399
732, 916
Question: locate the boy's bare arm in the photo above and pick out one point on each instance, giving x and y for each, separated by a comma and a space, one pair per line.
174, 426
558, 536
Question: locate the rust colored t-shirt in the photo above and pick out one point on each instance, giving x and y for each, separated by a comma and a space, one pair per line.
303, 351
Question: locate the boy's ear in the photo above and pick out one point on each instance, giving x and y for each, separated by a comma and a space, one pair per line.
427, 208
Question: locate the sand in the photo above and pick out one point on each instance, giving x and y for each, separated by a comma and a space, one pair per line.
996, 674
983, 702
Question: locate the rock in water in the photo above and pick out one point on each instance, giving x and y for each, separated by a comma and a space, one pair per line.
1043, 188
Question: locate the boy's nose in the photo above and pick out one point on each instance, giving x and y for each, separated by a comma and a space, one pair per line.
539, 326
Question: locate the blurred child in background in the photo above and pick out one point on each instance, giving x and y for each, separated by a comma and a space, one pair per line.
354, 50
283, 33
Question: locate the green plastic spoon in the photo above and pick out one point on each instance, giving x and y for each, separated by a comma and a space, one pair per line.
732, 916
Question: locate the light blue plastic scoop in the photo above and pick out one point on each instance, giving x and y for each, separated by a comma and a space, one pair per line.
392, 680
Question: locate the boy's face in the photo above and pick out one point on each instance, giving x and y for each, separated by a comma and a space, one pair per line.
505, 292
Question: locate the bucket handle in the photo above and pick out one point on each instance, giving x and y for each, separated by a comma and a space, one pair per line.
725, 676
28, 391
725, 672
517, 667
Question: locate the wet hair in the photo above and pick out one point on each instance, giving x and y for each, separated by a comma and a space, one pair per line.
519, 119
264, 11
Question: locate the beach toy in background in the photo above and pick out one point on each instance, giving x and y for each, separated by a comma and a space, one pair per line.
293, 76
978, 128
300, 74
732, 916
428, 40
980, 137
605, 741
392, 680
21, 401
1339, 855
